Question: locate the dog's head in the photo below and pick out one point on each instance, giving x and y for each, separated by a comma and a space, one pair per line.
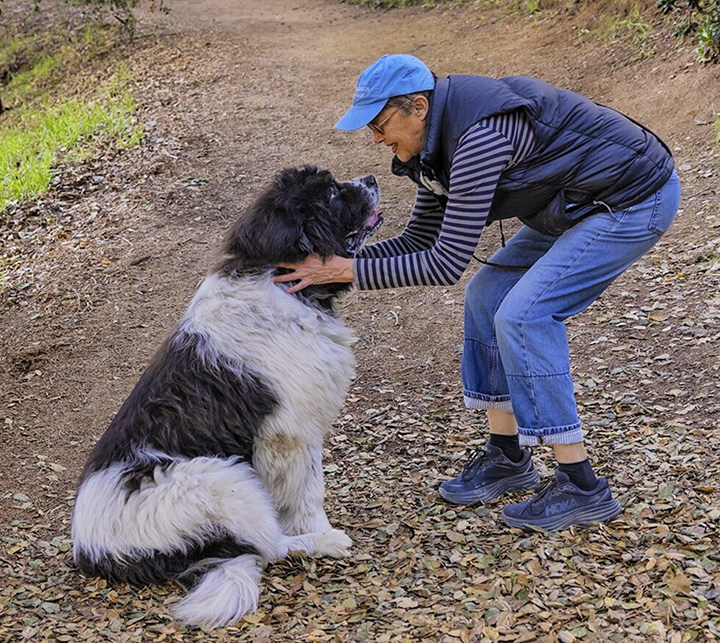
304, 211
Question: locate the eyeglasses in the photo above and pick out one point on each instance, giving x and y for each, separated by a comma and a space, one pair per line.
379, 127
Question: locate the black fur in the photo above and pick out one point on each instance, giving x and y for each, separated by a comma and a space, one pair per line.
185, 407
159, 567
304, 211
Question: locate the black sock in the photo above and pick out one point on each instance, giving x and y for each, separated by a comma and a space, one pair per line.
510, 445
580, 474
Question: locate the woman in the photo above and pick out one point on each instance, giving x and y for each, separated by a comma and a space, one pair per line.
595, 191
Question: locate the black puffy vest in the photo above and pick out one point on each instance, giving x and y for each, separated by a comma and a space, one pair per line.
586, 156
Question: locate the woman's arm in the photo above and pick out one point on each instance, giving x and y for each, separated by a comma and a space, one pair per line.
480, 158
420, 233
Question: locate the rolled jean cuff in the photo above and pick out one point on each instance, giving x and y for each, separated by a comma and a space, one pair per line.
553, 435
480, 401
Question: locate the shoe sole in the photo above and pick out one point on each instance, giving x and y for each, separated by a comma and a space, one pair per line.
520, 482
583, 517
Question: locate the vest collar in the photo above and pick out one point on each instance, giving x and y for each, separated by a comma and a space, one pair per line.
409, 168
431, 156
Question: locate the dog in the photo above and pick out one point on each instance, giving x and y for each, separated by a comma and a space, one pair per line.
212, 467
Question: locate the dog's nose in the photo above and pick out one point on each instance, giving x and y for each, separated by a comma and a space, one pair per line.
370, 181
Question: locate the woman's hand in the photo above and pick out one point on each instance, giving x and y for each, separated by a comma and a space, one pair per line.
314, 271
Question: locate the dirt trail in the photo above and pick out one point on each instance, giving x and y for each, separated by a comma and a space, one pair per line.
233, 90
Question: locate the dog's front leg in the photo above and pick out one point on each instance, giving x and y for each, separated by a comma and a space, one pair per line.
303, 512
294, 478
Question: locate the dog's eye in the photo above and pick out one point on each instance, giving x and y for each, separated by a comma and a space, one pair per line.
334, 192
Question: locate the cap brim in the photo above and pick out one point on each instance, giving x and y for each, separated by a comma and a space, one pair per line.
359, 115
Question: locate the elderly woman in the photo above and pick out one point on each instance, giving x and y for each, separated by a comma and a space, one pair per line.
594, 190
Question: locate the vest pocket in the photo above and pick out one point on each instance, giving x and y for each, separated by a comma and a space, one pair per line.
556, 216
551, 219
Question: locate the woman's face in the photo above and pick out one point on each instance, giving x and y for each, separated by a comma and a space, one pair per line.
403, 133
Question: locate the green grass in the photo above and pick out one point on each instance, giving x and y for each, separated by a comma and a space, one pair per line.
37, 62
531, 6
23, 81
630, 27
40, 132
11, 49
32, 59
70, 132
634, 27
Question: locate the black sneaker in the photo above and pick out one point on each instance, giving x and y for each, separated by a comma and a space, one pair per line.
488, 475
560, 504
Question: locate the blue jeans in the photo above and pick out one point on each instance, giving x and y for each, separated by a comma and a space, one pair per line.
516, 355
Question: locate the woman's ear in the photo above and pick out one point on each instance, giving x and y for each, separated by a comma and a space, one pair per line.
420, 106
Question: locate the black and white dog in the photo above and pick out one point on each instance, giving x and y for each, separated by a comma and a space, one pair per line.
213, 465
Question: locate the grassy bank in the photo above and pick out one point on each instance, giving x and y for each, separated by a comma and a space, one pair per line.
634, 22
56, 112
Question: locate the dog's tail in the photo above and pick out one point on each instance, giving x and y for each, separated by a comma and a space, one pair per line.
224, 594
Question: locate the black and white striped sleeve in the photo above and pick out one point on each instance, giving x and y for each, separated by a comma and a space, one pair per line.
421, 231
436, 247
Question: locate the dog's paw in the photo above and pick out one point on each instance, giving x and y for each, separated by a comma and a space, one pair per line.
334, 543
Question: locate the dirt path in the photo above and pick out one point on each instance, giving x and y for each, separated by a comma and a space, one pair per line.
231, 92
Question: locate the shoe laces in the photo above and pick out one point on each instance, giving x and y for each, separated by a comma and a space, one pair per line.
543, 493
477, 458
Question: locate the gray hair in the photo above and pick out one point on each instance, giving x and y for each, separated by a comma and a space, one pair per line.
404, 102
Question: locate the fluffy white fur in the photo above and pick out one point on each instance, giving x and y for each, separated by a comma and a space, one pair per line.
149, 508
276, 505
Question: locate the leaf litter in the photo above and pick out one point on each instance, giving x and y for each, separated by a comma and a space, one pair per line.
421, 570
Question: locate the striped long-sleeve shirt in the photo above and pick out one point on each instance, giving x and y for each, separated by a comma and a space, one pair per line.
436, 247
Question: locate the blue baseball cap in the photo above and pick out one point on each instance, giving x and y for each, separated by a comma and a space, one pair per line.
391, 75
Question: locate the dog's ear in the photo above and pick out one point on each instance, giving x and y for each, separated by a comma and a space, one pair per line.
322, 228
267, 235
290, 220
282, 238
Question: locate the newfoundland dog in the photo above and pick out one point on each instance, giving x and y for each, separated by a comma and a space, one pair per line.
213, 465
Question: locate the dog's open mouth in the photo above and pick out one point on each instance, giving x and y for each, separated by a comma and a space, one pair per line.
357, 238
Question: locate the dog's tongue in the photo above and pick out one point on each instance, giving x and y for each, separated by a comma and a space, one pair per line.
356, 239
372, 220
